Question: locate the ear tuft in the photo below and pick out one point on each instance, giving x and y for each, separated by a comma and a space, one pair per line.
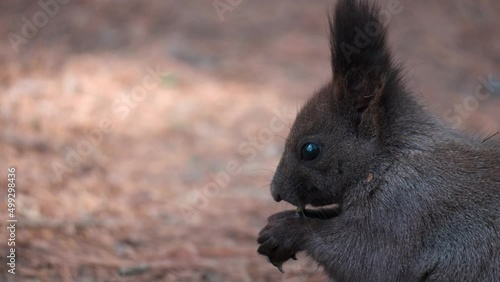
357, 37
360, 57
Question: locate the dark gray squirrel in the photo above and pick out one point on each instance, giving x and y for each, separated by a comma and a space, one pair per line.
415, 200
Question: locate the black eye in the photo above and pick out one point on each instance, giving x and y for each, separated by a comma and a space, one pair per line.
310, 151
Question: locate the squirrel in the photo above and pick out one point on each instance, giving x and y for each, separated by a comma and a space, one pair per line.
384, 190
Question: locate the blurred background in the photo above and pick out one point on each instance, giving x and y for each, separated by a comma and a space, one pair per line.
145, 133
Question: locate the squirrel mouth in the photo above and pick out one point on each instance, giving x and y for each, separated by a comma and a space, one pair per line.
322, 212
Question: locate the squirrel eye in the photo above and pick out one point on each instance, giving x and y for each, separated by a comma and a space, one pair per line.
310, 151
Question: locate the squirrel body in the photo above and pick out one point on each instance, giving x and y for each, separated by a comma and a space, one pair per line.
417, 201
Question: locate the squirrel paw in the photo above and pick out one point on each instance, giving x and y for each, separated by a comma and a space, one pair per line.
280, 240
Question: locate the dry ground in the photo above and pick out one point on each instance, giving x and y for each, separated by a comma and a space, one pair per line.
115, 182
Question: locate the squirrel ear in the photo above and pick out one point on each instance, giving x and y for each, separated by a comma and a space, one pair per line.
361, 61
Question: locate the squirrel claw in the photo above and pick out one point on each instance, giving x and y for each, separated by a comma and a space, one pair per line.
278, 265
280, 268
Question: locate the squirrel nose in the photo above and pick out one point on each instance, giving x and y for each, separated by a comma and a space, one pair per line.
274, 193
277, 197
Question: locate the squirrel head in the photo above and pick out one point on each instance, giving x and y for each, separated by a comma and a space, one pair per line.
340, 129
